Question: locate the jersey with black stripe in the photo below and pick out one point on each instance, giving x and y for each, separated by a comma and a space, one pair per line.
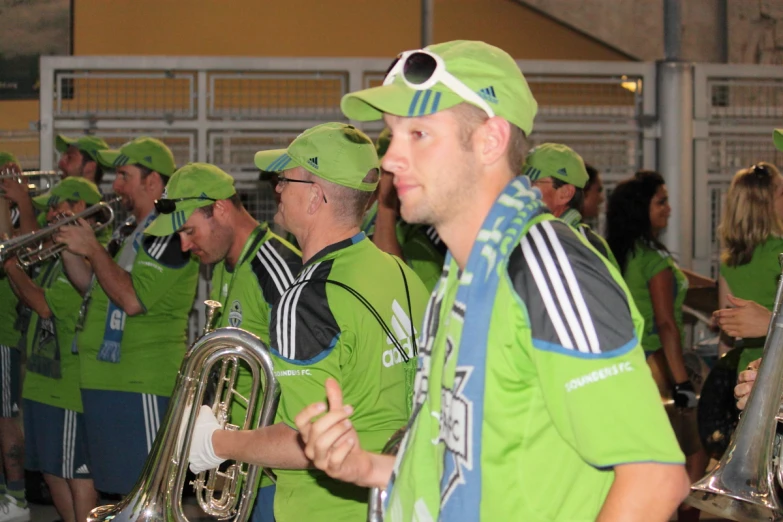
352, 315
164, 279
563, 364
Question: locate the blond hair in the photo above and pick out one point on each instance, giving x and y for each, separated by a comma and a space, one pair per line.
750, 216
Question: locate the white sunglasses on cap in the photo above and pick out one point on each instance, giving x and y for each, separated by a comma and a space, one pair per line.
421, 70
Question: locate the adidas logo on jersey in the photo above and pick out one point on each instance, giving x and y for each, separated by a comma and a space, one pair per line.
488, 93
83, 469
403, 330
15, 408
313, 162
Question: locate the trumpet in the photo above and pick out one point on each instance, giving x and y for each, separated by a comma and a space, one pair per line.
37, 181
377, 495
157, 495
37, 246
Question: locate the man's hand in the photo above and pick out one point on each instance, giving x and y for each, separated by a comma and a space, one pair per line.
202, 453
15, 190
745, 383
331, 442
745, 319
387, 194
79, 238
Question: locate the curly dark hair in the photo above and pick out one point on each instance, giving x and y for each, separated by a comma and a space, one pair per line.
628, 215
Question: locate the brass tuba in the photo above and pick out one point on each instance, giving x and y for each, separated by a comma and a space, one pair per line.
745, 484
377, 495
157, 495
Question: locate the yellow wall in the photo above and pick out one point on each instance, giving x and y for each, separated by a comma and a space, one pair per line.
305, 28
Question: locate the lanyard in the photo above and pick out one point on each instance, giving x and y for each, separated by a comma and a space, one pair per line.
252, 241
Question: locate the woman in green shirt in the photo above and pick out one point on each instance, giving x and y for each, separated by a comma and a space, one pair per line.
637, 211
751, 232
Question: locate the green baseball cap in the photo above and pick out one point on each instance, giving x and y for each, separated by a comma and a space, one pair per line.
336, 152
202, 182
8, 157
777, 137
555, 160
487, 70
89, 144
70, 189
383, 142
146, 151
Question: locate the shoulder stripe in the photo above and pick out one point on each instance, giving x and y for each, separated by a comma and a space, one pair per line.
532, 260
283, 270
286, 315
271, 270
562, 296
159, 246
574, 289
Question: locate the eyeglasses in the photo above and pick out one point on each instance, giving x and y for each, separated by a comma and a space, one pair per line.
168, 206
282, 180
421, 70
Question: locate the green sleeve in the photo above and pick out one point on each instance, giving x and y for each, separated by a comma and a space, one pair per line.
424, 260
654, 262
157, 268
63, 299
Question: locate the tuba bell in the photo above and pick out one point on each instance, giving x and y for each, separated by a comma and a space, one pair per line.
157, 495
745, 484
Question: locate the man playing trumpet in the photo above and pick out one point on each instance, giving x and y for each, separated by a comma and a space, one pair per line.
137, 299
56, 443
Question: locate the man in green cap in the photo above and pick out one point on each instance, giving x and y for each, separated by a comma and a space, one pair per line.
530, 348
348, 316
419, 245
12, 442
138, 294
53, 414
560, 174
79, 157
253, 267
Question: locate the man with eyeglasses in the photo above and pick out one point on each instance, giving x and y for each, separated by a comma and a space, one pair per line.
530, 349
559, 173
349, 316
137, 299
253, 266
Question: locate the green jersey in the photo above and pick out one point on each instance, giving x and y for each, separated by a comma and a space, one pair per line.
643, 264
45, 336
324, 329
9, 335
154, 341
563, 363
421, 247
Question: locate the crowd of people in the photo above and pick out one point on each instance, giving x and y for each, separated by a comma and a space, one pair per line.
440, 280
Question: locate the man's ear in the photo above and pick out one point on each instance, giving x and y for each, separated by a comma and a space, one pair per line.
495, 136
315, 198
79, 206
222, 207
565, 193
88, 170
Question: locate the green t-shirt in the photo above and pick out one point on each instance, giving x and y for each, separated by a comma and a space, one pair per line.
322, 330
643, 264
9, 336
421, 246
153, 342
550, 430
64, 302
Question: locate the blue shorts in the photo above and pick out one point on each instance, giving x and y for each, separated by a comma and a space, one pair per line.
121, 428
55, 442
10, 374
264, 511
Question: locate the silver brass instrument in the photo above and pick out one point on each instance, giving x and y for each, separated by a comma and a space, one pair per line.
745, 483
157, 495
377, 495
37, 181
37, 246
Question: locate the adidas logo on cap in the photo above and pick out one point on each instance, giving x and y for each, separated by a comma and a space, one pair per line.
562, 172
313, 162
488, 93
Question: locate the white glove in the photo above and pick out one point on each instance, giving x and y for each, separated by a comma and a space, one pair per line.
202, 453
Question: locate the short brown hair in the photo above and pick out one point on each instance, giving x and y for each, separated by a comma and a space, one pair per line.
470, 117
209, 210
